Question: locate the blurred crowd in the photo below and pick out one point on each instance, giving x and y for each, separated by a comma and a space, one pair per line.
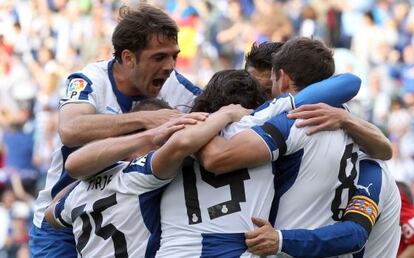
41, 42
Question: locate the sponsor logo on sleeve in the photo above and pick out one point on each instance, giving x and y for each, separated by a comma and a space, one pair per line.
75, 87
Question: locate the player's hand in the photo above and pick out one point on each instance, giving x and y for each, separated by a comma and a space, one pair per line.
152, 119
319, 117
263, 240
164, 132
235, 111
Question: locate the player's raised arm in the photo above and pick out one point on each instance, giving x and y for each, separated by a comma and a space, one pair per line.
168, 158
322, 117
100, 154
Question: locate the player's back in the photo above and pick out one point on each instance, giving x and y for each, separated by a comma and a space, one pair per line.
115, 213
314, 174
203, 215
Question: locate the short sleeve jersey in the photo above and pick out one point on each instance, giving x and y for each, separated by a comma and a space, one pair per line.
96, 86
115, 213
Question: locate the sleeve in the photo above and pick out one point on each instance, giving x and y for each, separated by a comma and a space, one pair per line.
138, 176
62, 211
274, 133
333, 91
363, 207
340, 238
79, 89
179, 92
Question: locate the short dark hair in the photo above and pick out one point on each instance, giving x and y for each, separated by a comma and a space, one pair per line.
137, 25
150, 105
260, 55
230, 87
305, 60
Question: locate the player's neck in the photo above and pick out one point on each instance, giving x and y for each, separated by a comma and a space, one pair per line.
122, 82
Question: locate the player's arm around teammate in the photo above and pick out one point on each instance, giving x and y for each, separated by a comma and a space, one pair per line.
225, 155
100, 154
168, 157
79, 123
181, 144
322, 117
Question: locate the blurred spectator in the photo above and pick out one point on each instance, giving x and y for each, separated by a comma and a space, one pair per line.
310, 26
18, 150
399, 119
230, 36
407, 74
187, 19
14, 235
401, 167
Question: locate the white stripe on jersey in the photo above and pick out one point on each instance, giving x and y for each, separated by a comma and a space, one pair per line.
124, 199
100, 94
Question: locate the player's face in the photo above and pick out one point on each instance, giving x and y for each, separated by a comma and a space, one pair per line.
275, 84
264, 78
154, 65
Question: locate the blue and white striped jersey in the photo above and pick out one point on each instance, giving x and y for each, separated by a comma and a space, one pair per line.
314, 174
206, 216
203, 215
95, 85
115, 213
374, 209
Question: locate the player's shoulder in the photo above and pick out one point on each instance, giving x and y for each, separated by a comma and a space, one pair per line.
97, 67
178, 78
275, 106
92, 78
92, 73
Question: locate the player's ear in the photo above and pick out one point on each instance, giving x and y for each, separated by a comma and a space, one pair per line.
285, 81
128, 58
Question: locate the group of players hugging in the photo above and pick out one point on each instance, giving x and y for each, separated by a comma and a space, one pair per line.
264, 161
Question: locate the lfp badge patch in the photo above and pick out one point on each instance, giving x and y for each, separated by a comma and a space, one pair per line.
75, 87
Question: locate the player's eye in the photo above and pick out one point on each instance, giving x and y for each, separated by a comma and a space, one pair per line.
159, 58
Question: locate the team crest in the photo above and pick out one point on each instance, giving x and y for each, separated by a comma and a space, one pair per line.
75, 87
